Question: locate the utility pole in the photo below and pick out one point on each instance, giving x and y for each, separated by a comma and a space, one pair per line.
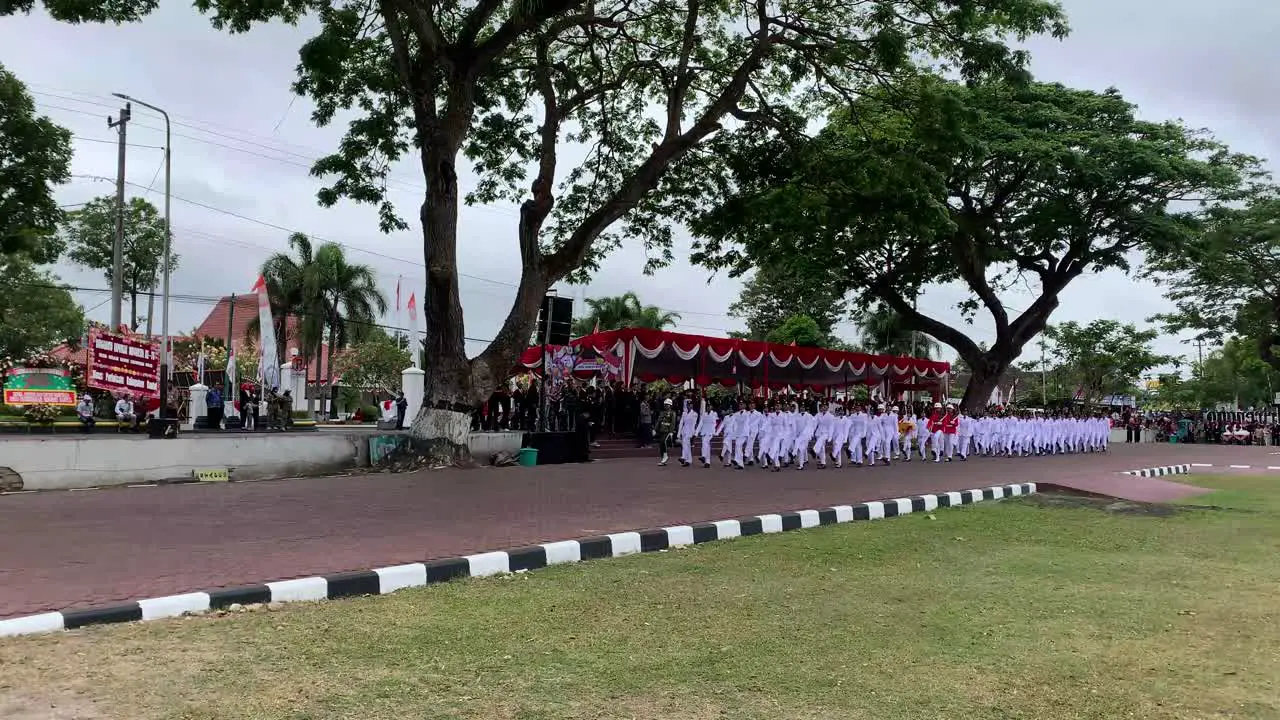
166, 359
117, 252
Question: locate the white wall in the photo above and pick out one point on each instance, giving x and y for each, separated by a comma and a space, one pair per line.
61, 463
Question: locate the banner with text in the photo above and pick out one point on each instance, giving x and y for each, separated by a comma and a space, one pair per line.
39, 386
121, 364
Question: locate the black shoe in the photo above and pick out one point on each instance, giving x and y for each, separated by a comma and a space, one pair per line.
706, 465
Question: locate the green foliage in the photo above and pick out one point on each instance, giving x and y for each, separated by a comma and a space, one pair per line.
983, 183
36, 312
35, 156
91, 231
1104, 357
79, 11
373, 364
1225, 281
774, 293
246, 360
622, 311
187, 349
884, 332
1235, 375
799, 329
326, 293
40, 413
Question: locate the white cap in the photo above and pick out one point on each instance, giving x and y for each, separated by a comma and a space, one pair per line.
880, 406
667, 401
937, 405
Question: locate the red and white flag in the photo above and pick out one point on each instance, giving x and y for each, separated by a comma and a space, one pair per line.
268, 360
413, 328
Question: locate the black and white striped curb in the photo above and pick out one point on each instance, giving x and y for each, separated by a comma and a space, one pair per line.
381, 581
1160, 471
1239, 467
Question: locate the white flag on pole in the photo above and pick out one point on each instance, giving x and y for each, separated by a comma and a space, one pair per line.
269, 360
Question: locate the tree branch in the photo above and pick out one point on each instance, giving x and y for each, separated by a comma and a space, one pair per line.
683, 78
513, 28
962, 343
647, 176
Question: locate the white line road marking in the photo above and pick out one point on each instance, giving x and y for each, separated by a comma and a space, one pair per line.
1201, 464
143, 485
1273, 467
1239, 467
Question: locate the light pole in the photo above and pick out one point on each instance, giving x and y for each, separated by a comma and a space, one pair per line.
168, 235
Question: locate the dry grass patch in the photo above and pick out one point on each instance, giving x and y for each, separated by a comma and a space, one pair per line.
998, 611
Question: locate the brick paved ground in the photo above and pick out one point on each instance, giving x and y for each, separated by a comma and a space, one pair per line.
71, 549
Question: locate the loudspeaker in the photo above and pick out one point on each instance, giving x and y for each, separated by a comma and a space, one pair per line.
559, 312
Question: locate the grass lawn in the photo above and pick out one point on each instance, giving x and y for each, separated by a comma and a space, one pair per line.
1018, 609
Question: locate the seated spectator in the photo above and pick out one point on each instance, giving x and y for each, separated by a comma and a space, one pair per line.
125, 414
84, 411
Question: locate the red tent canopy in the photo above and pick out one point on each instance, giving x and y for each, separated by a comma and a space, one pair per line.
648, 355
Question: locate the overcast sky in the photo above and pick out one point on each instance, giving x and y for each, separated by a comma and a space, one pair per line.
243, 145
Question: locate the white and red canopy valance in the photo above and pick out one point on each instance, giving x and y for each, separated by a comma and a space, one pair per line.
648, 355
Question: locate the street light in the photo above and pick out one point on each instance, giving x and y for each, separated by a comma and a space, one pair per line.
168, 235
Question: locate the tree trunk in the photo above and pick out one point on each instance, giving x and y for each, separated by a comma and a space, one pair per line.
442, 429
985, 373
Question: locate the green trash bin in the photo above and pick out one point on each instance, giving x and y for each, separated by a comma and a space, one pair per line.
528, 457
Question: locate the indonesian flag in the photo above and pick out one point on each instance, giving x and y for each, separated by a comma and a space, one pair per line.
413, 328
268, 358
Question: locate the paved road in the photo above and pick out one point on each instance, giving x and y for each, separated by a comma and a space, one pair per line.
72, 549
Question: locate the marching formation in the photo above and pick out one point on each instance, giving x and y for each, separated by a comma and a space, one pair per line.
785, 434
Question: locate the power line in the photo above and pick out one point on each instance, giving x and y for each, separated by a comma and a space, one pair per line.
82, 138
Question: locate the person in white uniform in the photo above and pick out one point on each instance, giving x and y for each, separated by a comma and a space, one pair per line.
822, 434
687, 429
708, 423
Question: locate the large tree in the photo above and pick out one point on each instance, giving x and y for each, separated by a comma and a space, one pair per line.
1104, 357
637, 87
36, 311
1225, 281
91, 235
775, 293
982, 183
35, 156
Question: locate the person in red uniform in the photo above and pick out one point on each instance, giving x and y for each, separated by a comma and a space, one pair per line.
935, 431
950, 423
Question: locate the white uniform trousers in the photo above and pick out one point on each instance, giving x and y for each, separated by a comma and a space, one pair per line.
686, 448
706, 449
856, 448
820, 448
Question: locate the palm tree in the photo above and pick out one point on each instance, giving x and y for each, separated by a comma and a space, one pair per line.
622, 311
293, 290
884, 332
351, 303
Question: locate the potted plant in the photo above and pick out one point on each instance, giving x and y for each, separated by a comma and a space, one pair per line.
40, 414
